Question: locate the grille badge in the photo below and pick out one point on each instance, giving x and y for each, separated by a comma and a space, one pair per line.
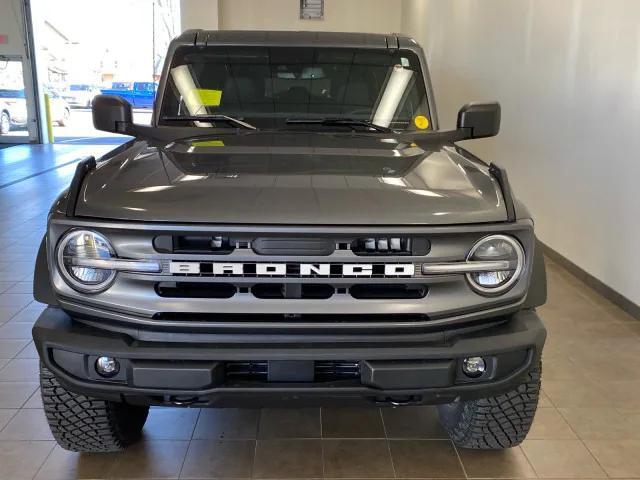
321, 270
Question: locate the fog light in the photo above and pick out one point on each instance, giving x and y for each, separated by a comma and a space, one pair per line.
107, 366
473, 366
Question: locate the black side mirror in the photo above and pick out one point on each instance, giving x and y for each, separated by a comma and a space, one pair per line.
479, 120
111, 113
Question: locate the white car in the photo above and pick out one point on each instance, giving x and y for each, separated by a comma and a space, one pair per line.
81, 95
13, 110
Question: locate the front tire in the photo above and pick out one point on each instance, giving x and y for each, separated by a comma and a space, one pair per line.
85, 424
494, 423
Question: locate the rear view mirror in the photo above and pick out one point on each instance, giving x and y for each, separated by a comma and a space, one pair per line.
479, 120
111, 113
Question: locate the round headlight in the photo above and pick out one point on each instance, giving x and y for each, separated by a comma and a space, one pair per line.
496, 248
85, 244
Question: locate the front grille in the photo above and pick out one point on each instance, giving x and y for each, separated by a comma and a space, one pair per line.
261, 318
291, 291
324, 371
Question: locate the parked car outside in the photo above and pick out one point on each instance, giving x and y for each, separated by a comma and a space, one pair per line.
60, 109
81, 95
13, 110
138, 94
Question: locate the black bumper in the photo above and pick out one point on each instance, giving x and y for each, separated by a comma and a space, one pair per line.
265, 374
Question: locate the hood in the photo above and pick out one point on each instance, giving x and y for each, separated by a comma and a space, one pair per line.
293, 178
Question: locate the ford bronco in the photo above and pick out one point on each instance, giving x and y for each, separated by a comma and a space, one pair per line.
292, 228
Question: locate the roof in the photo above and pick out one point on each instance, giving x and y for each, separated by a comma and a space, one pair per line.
298, 39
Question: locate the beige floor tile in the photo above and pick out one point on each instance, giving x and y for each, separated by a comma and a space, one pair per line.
413, 422
357, 459
227, 423
22, 460
288, 458
28, 352
352, 423
575, 393
601, 423
219, 459
623, 394
289, 423
151, 459
64, 465
6, 414
15, 299
561, 459
170, 423
35, 400
543, 401
8, 312
27, 424
425, 459
21, 331
10, 348
20, 370
510, 463
619, 458
15, 394
548, 424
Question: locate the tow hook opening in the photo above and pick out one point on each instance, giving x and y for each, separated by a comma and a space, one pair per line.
402, 401
180, 401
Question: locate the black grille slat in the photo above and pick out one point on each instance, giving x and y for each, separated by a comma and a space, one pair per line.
195, 290
388, 291
324, 371
300, 318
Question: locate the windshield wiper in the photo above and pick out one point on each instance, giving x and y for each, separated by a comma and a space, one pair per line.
210, 118
340, 122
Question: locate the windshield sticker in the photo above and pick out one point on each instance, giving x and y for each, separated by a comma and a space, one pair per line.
208, 143
421, 122
209, 98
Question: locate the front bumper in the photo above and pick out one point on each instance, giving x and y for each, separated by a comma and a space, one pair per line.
180, 373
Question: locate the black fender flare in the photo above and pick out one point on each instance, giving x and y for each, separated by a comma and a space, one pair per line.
537, 294
42, 288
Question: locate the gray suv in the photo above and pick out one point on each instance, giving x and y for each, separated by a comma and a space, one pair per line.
292, 229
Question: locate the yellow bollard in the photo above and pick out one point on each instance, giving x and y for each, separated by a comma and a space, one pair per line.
47, 112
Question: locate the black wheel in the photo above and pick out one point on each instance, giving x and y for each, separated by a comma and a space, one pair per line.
85, 424
496, 422
5, 123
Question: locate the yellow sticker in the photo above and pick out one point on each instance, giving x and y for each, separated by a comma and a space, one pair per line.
208, 143
421, 122
209, 98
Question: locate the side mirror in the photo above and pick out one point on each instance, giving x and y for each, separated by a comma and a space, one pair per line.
111, 113
479, 120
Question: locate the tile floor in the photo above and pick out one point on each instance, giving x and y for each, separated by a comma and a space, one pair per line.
587, 426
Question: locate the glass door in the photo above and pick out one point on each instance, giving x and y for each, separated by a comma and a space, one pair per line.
17, 107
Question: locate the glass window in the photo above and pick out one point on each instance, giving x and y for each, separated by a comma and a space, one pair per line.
267, 86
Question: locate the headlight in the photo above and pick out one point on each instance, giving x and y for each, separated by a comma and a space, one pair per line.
75, 251
501, 249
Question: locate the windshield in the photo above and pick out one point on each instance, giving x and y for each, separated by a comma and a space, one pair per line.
266, 86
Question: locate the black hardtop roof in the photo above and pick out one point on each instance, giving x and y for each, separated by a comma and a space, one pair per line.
290, 38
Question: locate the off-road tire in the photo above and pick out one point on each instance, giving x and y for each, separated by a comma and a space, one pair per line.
85, 424
493, 423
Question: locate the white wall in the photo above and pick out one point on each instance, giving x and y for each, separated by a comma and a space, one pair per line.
11, 25
382, 16
199, 14
568, 76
